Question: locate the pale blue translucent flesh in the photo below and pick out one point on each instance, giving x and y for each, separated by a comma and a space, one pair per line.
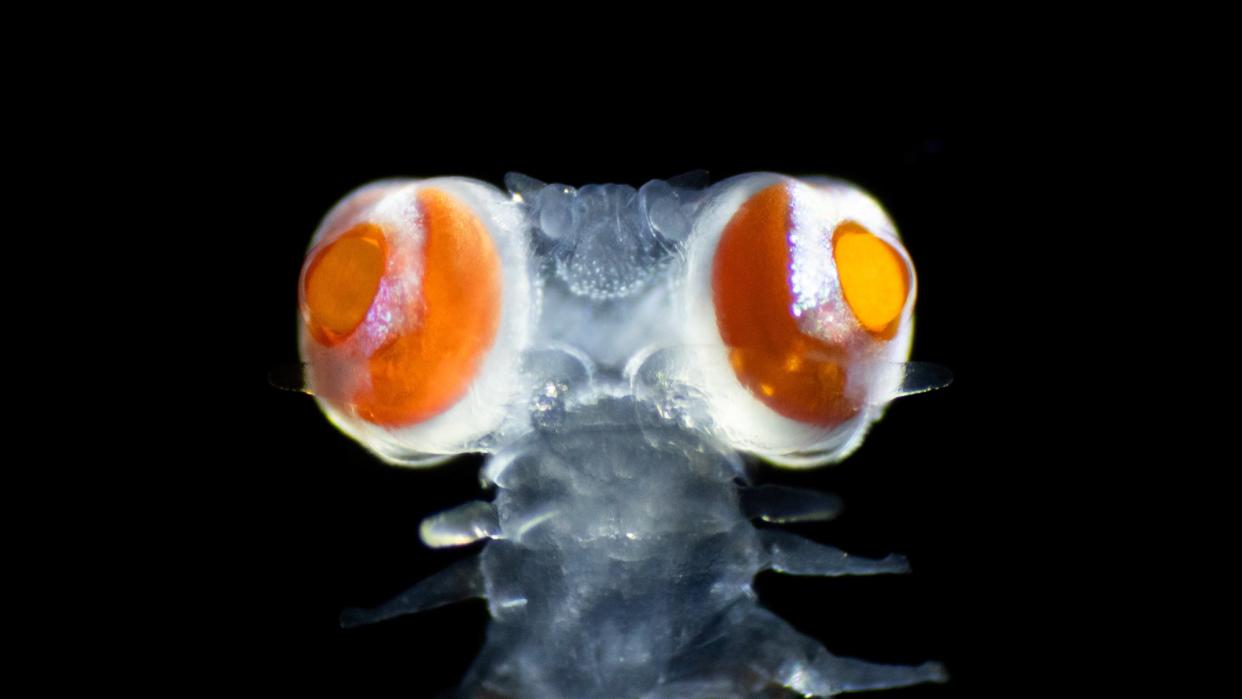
620, 546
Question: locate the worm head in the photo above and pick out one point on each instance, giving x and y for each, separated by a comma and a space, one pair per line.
767, 314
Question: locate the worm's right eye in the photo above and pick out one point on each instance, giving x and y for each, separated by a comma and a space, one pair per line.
799, 297
799, 306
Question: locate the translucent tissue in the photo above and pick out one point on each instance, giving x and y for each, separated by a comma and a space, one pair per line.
620, 548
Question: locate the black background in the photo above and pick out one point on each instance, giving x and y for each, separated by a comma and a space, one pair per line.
301, 522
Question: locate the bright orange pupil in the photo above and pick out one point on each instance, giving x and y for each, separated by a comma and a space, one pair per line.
874, 278
798, 376
341, 283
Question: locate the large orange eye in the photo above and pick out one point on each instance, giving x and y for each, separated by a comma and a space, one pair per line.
796, 304
426, 368
402, 314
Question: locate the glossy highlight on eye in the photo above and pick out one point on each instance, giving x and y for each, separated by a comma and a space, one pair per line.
427, 368
794, 374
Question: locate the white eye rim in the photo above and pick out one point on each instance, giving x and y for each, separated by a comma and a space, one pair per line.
483, 409
740, 419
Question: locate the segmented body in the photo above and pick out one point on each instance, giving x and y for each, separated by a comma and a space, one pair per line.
622, 548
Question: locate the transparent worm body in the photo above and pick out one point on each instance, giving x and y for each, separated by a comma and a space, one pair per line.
616, 401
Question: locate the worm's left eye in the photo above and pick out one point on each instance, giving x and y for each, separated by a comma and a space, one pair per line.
413, 300
341, 282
